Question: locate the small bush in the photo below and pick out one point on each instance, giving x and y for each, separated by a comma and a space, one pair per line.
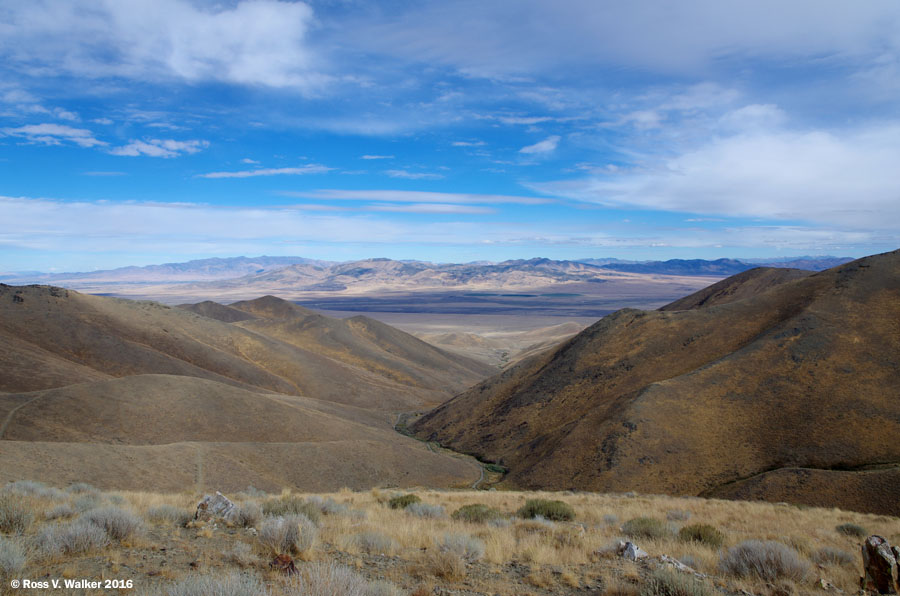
854, 530
426, 510
87, 502
610, 520
12, 558
476, 514
292, 505
678, 515
15, 513
403, 501
552, 510
328, 579
702, 533
469, 548
241, 554
327, 506
118, 523
666, 583
833, 556
645, 527
229, 584
289, 534
246, 515
445, 564
169, 514
768, 560
81, 488
60, 512
374, 543
29, 488
77, 537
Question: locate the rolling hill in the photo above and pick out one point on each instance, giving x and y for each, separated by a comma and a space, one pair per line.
775, 386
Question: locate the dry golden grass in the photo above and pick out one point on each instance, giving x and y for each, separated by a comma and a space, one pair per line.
519, 556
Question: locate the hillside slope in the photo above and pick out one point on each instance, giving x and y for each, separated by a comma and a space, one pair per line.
805, 374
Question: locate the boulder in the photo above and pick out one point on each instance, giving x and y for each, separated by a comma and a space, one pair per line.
631, 551
879, 566
284, 564
211, 506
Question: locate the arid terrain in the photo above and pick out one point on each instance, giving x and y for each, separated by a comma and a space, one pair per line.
774, 385
423, 542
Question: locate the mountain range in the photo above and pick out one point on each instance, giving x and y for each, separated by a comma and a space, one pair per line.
773, 384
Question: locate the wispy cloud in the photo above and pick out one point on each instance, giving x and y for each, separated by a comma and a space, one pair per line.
414, 196
103, 174
413, 175
435, 208
54, 134
548, 145
249, 161
159, 148
302, 170
377, 157
468, 143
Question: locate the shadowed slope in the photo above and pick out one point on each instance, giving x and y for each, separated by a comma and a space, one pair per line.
153, 431
214, 310
804, 374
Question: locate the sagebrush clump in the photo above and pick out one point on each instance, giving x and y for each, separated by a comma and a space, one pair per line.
668, 583
118, 523
403, 501
476, 513
552, 510
702, 533
288, 534
15, 513
645, 527
854, 530
765, 559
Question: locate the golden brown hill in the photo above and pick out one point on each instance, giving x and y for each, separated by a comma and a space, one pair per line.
737, 287
803, 375
51, 337
363, 342
217, 311
159, 431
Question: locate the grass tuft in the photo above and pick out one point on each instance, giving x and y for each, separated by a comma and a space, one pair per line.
12, 558
854, 530
834, 557
288, 534
292, 505
217, 584
118, 523
77, 537
646, 527
328, 579
476, 513
16, 515
169, 514
403, 501
702, 533
426, 510
468, 548
374, 543
767, 560
667, 583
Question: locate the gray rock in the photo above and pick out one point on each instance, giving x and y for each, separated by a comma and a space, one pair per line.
631, 551
211, 506
879, 564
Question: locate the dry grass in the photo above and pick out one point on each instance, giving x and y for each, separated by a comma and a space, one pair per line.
504, 554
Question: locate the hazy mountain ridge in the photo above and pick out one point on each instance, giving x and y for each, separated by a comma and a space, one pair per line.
796, 374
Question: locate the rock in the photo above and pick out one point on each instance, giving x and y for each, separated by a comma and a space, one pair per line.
214, 506
828, 586
673, 562
283, 563
17, 298
630, 551
878, 566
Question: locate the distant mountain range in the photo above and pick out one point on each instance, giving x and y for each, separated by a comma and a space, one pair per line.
334, 275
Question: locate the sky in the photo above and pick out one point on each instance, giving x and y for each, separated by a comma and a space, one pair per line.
147, 131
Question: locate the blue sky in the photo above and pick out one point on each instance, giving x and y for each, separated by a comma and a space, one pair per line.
144, 131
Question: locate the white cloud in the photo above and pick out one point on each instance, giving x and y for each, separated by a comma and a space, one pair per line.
846, 178
259, 42
413, 175
377, 157
435, 208
308, 169
54, 134
105, 121
414, 196
468, 143
249, 161
159, 148
548, 145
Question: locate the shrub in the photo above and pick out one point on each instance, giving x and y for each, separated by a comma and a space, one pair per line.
292, 505
553, 510
246, 515
610, 520
12, 558
241, 554
666, 583
645, 527
374, 543
833, 556
15, 514
403, 501
678, 515
327, 579
327, 506
768, 560
60, 511
476, 514
854, 530
702, 533
469, 548
218, 584
426, 510
118, 523
30, 488
77, 537
445, 564
80, 488
289, 534
87, 502
169, 514
384, 588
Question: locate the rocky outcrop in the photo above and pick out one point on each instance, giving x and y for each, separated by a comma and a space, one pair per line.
879, 564
211, 506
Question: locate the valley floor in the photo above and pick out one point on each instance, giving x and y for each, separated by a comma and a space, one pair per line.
355, 541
